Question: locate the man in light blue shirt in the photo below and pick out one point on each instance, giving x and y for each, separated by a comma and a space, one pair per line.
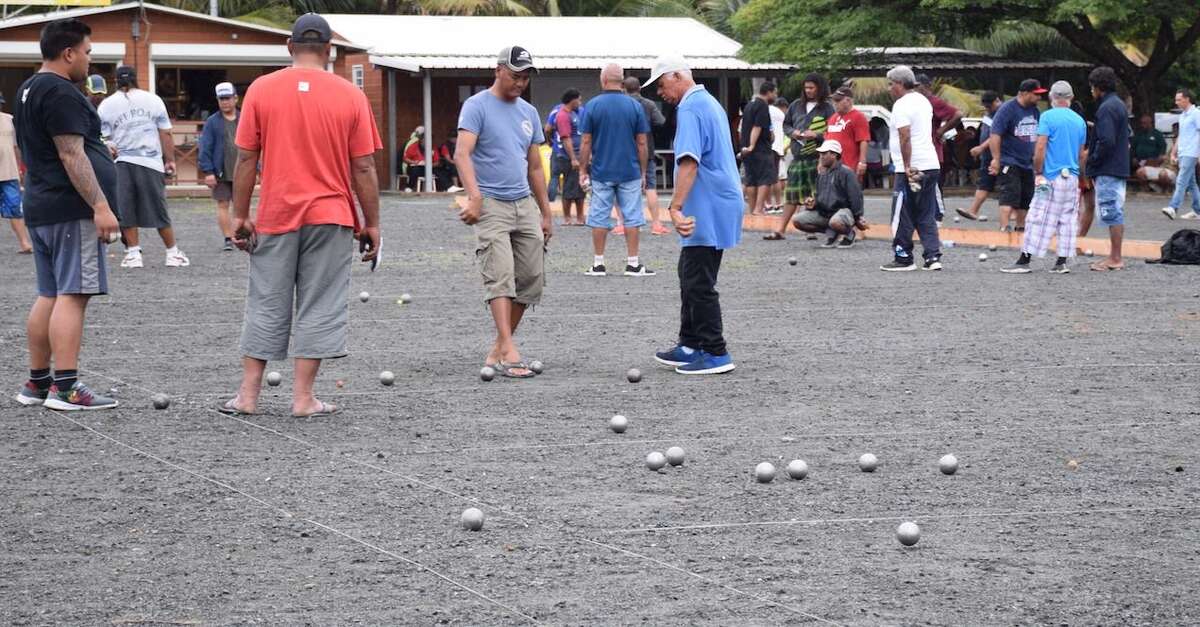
501, 168
1057, 164
706, 210
1186, 153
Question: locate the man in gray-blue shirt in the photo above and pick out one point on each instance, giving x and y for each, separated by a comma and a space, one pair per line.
500, 166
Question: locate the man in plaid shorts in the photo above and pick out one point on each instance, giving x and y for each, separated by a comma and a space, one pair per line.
805, 123
1057, 159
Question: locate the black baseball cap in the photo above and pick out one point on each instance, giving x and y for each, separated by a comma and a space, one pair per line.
125, 72
842, 93
311, 28
516, 59
1032, 85
989, 97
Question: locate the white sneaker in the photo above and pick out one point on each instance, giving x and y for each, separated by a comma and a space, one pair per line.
454, 189
1191, 215
175, 260
133, 259
1169, 212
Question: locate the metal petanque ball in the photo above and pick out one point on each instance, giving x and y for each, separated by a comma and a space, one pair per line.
983, 256
764, 472
537, 367
797, 469
948, 464
908, 533
387, 378
161, 401
472, 519
992, 247
868, 462
792, 261
634, 375
364, 297
274, 378
618, 423
675, 456
487, 373
405, 298
655, 460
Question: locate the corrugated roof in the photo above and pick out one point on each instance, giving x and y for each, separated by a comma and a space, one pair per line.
929, 59
472, 42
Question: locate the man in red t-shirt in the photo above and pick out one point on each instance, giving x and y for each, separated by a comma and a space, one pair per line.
850, 128
317, 139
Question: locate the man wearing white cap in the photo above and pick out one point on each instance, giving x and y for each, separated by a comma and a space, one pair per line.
1057, 163
837, 207
218, 156
706, 210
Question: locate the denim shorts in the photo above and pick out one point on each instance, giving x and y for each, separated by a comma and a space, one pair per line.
1110, 200
628, 196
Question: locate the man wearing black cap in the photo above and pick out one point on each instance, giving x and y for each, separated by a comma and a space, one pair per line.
136, 122
1014, 132
991, 102
316, 135
500, 165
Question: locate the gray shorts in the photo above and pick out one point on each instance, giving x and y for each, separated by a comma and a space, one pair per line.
141, 197
511, 250
223, 192
813, 221
306, 272
69, 259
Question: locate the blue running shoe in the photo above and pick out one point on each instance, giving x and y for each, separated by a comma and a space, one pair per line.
678, 356
707, 363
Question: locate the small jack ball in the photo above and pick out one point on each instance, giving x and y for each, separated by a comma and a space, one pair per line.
364, 297
472, 519
487, 373
274, 378
655, 460
983, 256
405, 298
634, 375
792, 261
948, 464
537, 367
957, 219
797, 469
675, 456
161, 401
618, 423
764, 472
868, 462
908, 533
387, 378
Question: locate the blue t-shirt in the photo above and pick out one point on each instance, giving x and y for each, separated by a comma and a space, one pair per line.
1189, 132
1066, 132
1017, 128
985, 131
576, 118
715, 201
614, 121
555, 141
505, 131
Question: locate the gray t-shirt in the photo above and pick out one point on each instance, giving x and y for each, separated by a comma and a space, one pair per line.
505, 130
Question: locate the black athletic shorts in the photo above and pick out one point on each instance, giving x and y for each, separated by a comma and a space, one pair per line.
761, 170
1015, 186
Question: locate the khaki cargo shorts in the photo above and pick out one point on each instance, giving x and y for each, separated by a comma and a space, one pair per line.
511, 250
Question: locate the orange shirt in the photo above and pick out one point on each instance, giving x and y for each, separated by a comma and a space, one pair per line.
308, 125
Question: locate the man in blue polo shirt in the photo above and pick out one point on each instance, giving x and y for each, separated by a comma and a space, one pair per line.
1014, 132
706, 210
614, 158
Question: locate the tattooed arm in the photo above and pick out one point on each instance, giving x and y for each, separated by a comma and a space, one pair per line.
83, 177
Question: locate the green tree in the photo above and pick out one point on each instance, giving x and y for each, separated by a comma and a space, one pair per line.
825, 33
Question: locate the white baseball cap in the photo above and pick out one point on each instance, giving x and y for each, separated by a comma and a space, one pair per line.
225, 90
664, 64
831, 145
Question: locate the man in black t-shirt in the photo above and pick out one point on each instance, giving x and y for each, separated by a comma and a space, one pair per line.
757, 157
70, 177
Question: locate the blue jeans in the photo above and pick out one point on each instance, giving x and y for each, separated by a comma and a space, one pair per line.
1186, 182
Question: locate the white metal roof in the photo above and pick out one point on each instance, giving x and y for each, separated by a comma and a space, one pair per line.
470, 42
31, 52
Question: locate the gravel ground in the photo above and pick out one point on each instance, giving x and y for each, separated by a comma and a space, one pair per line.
184, 516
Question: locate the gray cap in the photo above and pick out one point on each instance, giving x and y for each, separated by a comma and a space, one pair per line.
516, 59
1061, 90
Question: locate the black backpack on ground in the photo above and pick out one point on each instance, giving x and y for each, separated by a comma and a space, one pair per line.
1182, 249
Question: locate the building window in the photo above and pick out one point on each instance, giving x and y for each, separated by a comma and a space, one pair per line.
356, 75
